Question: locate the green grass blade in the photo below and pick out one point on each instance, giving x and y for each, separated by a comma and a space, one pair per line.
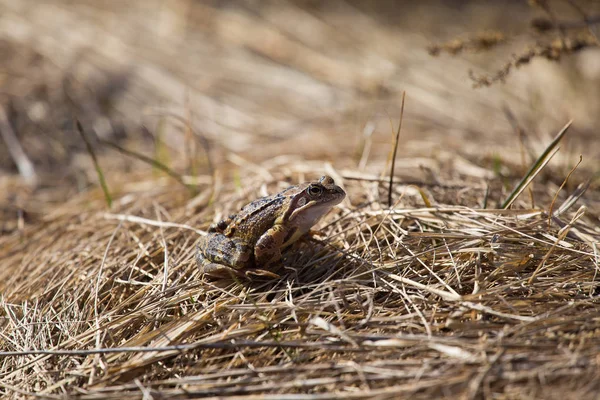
90, 150
148, 160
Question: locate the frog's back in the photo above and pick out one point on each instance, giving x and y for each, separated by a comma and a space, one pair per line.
256, 218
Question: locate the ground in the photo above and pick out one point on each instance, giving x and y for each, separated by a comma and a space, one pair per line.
447, 286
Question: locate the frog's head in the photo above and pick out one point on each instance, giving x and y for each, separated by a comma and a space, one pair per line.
312, 200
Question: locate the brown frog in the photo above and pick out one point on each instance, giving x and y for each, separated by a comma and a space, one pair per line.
248, 243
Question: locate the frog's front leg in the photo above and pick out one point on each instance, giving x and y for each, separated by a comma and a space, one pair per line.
268, 247
221, 225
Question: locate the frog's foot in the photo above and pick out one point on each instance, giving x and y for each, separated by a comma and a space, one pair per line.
313, 232
262, 273
220, 271
215, 270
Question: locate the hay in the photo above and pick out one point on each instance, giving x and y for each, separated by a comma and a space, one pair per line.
411, 300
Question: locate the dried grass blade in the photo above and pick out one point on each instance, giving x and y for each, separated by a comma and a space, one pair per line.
572, 199
397, 139
561, 236
329, 327
146, 221
560, 188
23, 163
539, 164
442, 293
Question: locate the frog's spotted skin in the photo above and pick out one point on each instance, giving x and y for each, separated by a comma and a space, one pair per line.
251, 241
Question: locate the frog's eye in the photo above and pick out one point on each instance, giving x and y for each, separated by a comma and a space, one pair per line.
326, 180
314, 190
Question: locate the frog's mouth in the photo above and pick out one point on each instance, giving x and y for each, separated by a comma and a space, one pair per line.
310, 213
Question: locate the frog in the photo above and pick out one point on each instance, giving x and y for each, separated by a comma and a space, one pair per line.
250, 243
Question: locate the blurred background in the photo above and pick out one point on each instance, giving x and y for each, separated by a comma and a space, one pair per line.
203, 85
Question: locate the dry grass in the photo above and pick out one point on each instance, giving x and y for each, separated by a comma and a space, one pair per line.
442, 295
410, 300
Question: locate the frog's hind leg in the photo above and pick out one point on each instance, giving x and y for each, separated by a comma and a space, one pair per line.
215, 270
